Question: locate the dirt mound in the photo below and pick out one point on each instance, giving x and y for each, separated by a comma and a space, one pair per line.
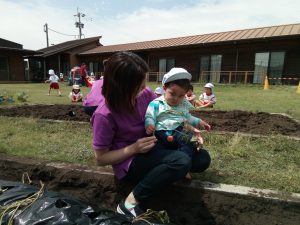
232, 121
248, 122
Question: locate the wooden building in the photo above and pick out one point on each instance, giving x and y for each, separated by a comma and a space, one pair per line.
241, 56
12, 64
61, 57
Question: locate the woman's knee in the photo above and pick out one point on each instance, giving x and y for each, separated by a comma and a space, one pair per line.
201, 161
182, 161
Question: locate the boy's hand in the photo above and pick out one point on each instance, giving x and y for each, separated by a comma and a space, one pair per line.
205, 125
150, 129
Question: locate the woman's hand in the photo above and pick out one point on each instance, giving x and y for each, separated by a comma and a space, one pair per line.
108, 157
150, 129
143, 145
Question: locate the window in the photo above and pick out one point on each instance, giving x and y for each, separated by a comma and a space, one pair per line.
268, 63
261, 66
165, 65
3, 64
91, 67
210, 67
96, 67
215, 68
4, 75
276, 66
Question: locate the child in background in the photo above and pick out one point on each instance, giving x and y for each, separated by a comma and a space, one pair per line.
167, 115
158, 92
53, 79
83, 74
93, 98
207, 98
190, 96
92, 77
61, 77
75, 95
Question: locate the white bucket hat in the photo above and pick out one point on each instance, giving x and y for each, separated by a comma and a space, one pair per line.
159, 91
76, 86
209, 85
176, 74
51, 72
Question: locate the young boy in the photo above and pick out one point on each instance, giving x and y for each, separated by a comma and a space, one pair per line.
167, 115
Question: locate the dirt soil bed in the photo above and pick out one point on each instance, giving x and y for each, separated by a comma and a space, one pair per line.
230, 121
192, 205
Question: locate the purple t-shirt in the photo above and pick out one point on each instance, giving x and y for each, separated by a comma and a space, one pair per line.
112, 130
94, 97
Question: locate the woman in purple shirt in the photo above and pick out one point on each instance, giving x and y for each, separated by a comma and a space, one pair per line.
93, 98
119, 137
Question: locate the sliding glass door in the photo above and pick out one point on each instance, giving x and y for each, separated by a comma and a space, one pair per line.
215, 68
268, 63
210, 68
276, 66
165, 65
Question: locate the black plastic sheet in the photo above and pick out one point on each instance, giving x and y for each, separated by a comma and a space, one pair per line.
53, 208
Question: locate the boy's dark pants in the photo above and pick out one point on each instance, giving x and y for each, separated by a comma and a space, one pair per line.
158, 168
180, 142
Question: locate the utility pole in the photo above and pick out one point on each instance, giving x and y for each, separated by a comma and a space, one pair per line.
79, 24
46, 30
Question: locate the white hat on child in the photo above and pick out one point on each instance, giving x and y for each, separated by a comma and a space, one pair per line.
159, 91
76, 86
51, 72
209, 85
176, 74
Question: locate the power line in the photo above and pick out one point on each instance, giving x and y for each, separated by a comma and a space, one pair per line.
74, 35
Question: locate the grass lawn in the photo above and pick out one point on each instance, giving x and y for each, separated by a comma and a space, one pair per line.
261, 162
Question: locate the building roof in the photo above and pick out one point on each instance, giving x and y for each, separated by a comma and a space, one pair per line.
9, 44
66, 46
24, 52
222, 37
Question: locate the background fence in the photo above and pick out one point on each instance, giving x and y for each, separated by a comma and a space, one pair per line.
233, 77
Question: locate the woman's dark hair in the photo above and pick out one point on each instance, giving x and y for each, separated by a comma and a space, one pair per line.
183, 83
124, 74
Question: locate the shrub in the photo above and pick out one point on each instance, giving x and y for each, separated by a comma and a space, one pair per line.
22, 96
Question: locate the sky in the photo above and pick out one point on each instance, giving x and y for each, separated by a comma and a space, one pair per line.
126, 21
